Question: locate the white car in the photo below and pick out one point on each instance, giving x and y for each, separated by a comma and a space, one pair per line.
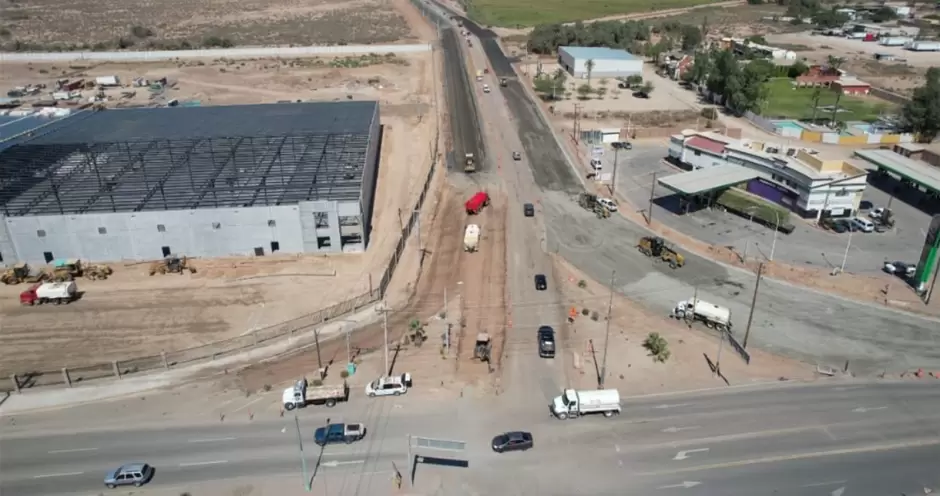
608, 203
900, 269
486, 88
389, 386
877, 213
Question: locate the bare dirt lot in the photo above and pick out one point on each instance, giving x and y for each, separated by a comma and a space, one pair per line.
86, 24
897, 76
132, 314
631, 370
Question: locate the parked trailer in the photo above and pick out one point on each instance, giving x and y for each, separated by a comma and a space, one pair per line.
471, 238
924, 46
49, 292
894, 41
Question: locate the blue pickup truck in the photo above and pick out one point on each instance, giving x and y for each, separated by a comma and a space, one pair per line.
339, 433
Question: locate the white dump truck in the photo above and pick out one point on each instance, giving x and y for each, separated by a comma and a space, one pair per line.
50, 292
573, 404
300, 395
713, 316
471, 238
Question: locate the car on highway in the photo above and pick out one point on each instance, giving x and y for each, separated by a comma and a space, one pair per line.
900, 269
528, 209
486, 88
513, 441
541, 283
389, 386
622, 145
132, 474
339, 433
516, 156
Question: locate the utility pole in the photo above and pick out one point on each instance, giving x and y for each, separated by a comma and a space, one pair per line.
649, 214
577, 125
316, 338
417, 216
845, 257
721, 344
446, 325
613, 180
610, 305
750, 317
385, 333
401, 223
303, 459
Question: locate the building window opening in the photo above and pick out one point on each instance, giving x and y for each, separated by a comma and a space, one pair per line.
322, 219
323, 242
216, 225
165, 250
47, 255
271, 223
41, 233
161, 228
102, 230
275, 246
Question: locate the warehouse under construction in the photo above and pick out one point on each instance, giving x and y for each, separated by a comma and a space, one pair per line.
138, 184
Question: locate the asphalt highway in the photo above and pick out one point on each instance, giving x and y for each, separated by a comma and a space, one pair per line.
786, 439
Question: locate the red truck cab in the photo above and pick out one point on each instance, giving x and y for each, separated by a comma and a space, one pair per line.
477, 202
29, 297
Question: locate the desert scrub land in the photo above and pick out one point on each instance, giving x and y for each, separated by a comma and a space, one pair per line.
60, 25
527, 13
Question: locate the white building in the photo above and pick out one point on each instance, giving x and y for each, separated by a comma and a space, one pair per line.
794, 178
608, 62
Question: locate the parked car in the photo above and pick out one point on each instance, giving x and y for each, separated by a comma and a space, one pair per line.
528, 209
517, 156
837, 225
513, 441
541, 283
136, 474
900, 269
863, 225
877, 213
623, 145
608, 203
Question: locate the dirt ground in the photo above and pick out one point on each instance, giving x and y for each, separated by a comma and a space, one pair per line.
87, 24
132, 314
441, 272
898, 76
631, 370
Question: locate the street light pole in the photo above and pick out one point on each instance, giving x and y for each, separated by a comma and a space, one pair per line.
303, 459
613, 181
773, 246
610, 305
846, 255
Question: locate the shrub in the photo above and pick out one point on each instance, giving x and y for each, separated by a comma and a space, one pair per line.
582, 284
595, 316
317, 382
141, 32
657, 346
344, 373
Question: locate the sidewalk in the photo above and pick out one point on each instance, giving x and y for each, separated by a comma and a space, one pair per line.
52, 398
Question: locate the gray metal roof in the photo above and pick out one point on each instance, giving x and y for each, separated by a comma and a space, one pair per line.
919, 172
707, 179
192, 157
597, 53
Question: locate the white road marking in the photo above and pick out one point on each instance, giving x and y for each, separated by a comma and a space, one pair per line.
680, 429
838, 492
212, 440
76, 450
335, 463
66, 474
663, 407
246, 405
198, 464
863, 409
683, 484
682, 455
830, 483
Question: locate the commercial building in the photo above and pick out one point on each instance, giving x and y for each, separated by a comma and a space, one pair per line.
742, 47
138, 184
850, 86
608, 62
795, 178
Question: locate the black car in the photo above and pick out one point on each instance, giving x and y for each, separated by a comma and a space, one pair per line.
546, 337
541, 283
623, 145
513, 441
528, 209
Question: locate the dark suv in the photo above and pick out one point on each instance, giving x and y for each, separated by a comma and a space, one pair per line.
546, 342
541, 283
513, 441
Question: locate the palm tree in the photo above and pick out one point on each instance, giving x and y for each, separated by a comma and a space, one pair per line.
558, 80
817, 94
589, 66
834, 62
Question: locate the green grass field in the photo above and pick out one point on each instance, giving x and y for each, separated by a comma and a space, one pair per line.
785, 101
525, 13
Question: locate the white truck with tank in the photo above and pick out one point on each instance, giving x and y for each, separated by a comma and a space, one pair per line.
713, 316
573, 403
471, 238
50, 292
302, 394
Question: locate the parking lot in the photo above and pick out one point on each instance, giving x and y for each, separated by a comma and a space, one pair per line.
807, 245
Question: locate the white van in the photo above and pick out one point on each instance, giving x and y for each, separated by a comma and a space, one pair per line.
597, 164
863, 225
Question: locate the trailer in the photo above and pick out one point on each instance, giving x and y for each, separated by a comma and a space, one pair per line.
50, 292
471, 238
894, 41
300, 395
713, 316
107, 81
924, 46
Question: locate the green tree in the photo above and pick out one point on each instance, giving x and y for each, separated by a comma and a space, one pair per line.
646, 89
817, 94
797, 69
884, 14
835, 62
657, 346
922, 114
584, 91
691, 38
589, 67
551, 86
701, 66
830, 18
